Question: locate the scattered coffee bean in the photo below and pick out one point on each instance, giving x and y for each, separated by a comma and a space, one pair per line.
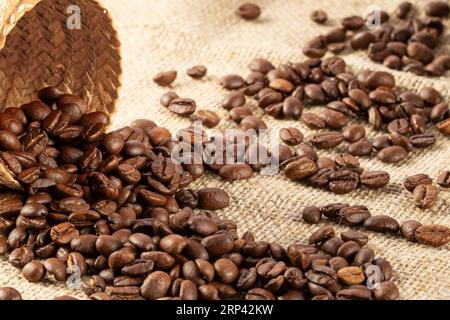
319, 16
197, 72
433, 235
248, 11
412, 182
444, 179
425, 196
165, 78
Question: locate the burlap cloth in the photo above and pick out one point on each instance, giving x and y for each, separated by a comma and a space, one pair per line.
165, 34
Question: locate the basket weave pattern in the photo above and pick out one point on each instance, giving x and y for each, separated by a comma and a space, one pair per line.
39, 50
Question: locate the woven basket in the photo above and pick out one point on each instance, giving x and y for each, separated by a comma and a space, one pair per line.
37, 49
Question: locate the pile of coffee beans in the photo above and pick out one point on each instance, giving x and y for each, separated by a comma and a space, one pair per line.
111, 206
425, 194
284, 92
341, 175
407, 44
360, 216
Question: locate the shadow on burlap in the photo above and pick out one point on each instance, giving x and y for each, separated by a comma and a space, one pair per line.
161, 35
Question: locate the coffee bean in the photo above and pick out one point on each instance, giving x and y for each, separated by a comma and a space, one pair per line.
353, 23
403, 9
218, 244
183, 107
363, 257
423, 140
291, 136
444, 126
238, 171
380, 79
248, 11
386, 291
334, 119
433, 235
208, 118
319, 16
34, 271
232, 82
412, 182
313, 121
7, 293
156, 285
444, 179
327, 140
374, 179
392, 154
351, 275
165, 78
408, 229
349, 250
300, 169
342, 182
425, 196
321, 178
354, 215
354, 132
213, 198
197, 72
357, 236
381, 223
312, 215
321, 235
167, 97
56, 267
437, 9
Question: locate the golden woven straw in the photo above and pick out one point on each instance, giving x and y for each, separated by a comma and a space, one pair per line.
37, 49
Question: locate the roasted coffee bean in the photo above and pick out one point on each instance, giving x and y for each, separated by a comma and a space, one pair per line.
319, 16
167, 97
408, 229
320, 235
342, 182
327, 140
335, 119
423, 140
21, 256
357, 236
362, 147
425, 196
182, 106
56, 267
444, 179
354, 132
165, 78
34, 271
232, 82
197, 72
300, 169
374, 179
412, 182
354, 215
321, 178
248, 11
213, 198
238, 171
437, 9
392, 154
233, 99
351, 275
381, 223
403, 9
208, 118
239, 113
312, 215
433, 235
156, 285
321, 275
444, 126
313, 121
7, 293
